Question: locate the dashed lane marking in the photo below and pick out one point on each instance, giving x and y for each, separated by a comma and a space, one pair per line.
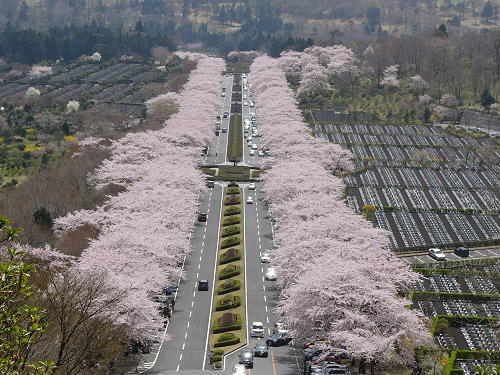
183, 346
190, 313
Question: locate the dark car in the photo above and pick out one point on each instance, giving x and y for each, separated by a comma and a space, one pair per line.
246, 358
226, 114
169, 290
218, 117
210, 184
203, 285
261, 350
202, 216
462, 252
311, 352
278, 339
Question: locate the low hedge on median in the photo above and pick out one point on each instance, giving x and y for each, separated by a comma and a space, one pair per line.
233, 190
232, 210
230, 230
230, 255
230, 241
232, 200
227, 302
229, 271
228, 286
227, 322
226, 339
231, 220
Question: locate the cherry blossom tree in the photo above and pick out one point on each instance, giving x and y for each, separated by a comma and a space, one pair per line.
333, 265
144, 230
390, 76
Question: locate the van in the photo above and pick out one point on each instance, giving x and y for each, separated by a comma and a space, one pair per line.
462, 252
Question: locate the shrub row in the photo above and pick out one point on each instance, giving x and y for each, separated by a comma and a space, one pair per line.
232, 200
234, 325
230, 255
460, 320
231, 220
229, 271
456, 272
444, 296
233, 190
228, 286
226, 339
230, 241
228, 302
230, 230
232, 210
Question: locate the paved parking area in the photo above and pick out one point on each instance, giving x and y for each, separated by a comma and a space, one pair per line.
474, 253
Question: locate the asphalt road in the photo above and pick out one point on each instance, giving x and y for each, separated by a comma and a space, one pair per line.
474, 253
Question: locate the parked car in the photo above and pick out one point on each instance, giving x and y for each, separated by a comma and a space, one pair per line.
225, 115
257, 329
335, 369
210, 184
270, 274
462, 252
261, 350
261, 153
246, 358
224, 130
277, 340
265, 258
202, 216
254, 147
437, 254
203, 285
311, 352
249, 200
251, 186
223, 94
252, 153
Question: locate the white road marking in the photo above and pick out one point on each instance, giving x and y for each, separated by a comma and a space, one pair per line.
266, 308
263, 279
185, 335
265, 298
194, 291
262, 269
188, 325
178, 367
180, 359
190, 313
183, 346
490, 252
197, 274
192, 303
267, 320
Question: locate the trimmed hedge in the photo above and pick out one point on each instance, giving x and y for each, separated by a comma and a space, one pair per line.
231, 220
451, 363
217, 365
228, 302
460, 320
235, 139
456, 272
233, 190
230, 339
233, 326
230, 230
232, 200
230, 255
230, 241
229, 271
232, 210
228, 286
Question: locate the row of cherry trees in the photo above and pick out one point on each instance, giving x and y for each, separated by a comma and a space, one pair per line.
335, 268
145, 230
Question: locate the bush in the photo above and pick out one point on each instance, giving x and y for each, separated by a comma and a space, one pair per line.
226, 339
218, 352
233, 190
229, 231
218, 365
229, 271
230, 255
232, 200
215, 358
232, 210
230, 241
236, 219
227, 302
228, 286
227, 322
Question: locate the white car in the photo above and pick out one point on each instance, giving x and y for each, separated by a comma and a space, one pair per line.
265, 258
254, 147
257, 329
251, 186
223, 94
437, 254
261, 153
252, 153
270, 274
251, 104
249, 200
245, 103
239, 370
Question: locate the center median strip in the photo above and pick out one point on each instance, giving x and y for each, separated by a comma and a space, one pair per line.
228, 316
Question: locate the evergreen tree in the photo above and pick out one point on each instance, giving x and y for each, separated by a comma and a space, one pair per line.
487, 99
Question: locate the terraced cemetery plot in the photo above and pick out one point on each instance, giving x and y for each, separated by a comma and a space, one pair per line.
426, 186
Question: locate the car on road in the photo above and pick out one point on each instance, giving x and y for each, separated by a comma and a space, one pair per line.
246, 358
261, 350
252, 104
437, 254
169, 290
249, 200
261, 153
277, 339
210, 184
202, 216
251, 186
271, 274
245, 103
203, 285
225, 115
254, 147
280, 327
257, 329
249, 138
462, 252
252, 153
265, 258
224, 130
223, 94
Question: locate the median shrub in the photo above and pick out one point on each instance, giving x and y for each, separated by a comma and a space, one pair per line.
215, 358
230, 255
228, 286
232, 200
227, 322
229, 231
230, 241
226, 339
229, 271
232, 210
227, 302
231, 220
233, 190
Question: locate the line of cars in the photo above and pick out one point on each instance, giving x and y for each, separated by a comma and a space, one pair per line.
438, 254
318, 360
